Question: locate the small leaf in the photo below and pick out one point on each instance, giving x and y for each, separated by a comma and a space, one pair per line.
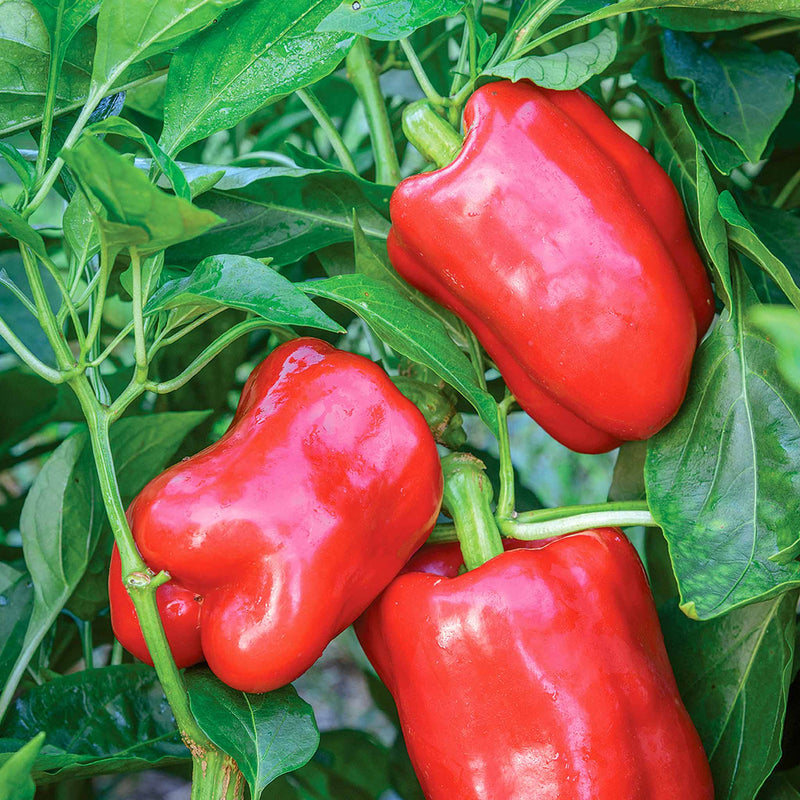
15, 774
16, 602
733, 674
131, 200
722, 478
388, 20
242, 282
122, 127
740, 90
24, 169
267, 734
15, 225
254, 56
745, 239
410, 331
567, 69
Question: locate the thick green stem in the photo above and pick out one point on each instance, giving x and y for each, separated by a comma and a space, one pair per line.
48, 112
437, 140
419, 73
324, 121
505, 500
140, 581
37, 365
364, 77
547, 522
215, 776
140, 346
467, 498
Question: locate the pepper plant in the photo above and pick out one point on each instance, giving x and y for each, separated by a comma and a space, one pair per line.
185, 185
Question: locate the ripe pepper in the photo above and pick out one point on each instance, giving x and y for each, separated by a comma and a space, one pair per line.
541, 673
280, 534
564, 246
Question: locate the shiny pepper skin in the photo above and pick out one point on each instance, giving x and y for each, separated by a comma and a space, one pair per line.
540, 675
281, 533
564, 246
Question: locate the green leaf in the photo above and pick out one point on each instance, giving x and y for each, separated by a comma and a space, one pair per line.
256, 55
410, 331
24, 169
122, 127
745, 239
100, 721
63, 515
15, 225
131, 200
740, 90
16, 602
285, 213
779, 230
242, 282
80, 230
128, 32
15, 774
268, 734
703, 20
678, 153
387, 20
24, 66
567, 69
782, 326
18, 317
733, 674
721, 151
778, 787
722, 478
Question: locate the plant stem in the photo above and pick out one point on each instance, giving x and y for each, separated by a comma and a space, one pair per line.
140, 347
140, 581
505, 500
775, 30
435, 138
210, 352
312, 103
364, 77
215, 776
467, 498
787, 191
419, 73
547, 522
48, 112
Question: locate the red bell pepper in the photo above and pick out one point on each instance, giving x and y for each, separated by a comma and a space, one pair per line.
540, 674
564, 246
280, 534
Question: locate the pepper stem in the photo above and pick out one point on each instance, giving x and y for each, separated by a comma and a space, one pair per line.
434, 137
467, 498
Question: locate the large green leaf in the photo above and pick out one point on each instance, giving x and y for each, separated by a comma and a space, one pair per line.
567, 69
678, 153
257, 54
285, 213
388, 19
268, 734
131, 200
740, 90
733, 674
25, 47
242, 282
722, 478
128, 32
410, 331
99, 721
